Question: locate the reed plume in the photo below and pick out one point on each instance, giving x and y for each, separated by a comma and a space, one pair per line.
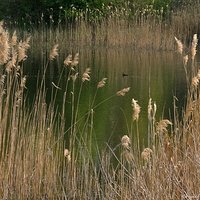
162, 126
195, 81
146, 154
67, 155
12, 63
102, 83
13, 41
194, 46
54, 52
198, 74
123, 91
86, 75
4, 45
23, 82
179, 46
152, 108
68, 60
185, 60
136, 110
22, 48
75, 61
125, 141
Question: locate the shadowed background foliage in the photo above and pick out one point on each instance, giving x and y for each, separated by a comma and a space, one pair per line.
60, 10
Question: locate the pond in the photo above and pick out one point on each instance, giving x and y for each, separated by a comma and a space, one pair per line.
149, 74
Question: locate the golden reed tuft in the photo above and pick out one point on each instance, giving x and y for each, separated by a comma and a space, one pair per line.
54, 52
136, 110
179, 45
102, 83
146, 154
4, 45
75, 61
67, 155
123, 91
185, 60
22, 48
86, 75
68, 60
162, 126
152, 108
125, 141
194, 46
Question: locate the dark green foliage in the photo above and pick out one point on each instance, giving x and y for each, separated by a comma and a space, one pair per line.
58, 11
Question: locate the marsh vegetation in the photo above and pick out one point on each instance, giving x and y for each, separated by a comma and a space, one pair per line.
72, 127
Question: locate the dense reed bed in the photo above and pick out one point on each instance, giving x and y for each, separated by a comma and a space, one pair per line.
46, 155
147, 29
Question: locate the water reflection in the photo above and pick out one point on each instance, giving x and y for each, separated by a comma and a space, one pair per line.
149, 74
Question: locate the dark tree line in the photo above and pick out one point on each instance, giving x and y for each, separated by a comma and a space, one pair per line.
35, 11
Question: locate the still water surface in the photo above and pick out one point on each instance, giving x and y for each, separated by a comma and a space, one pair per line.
159, 75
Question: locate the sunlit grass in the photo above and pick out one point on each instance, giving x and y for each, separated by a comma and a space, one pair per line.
41, 157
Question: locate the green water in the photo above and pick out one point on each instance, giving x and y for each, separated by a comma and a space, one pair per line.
159, 75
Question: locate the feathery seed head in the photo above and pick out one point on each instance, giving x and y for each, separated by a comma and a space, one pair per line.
102, 83
75, 61
53, 52
74, 77
195, 81
146, 154
86, 75
68, 60
194, 46
136, 110
11, 63
179, 45
67, 155
162, 126
198, 74
185, 60
154, 110
125, 141
23, 82
123, 91
4, 45
22, 48
14, 39
151, 110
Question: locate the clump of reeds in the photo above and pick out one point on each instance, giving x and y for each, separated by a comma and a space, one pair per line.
5, 47
33, 144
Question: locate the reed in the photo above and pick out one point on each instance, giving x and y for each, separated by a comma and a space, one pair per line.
42, 155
